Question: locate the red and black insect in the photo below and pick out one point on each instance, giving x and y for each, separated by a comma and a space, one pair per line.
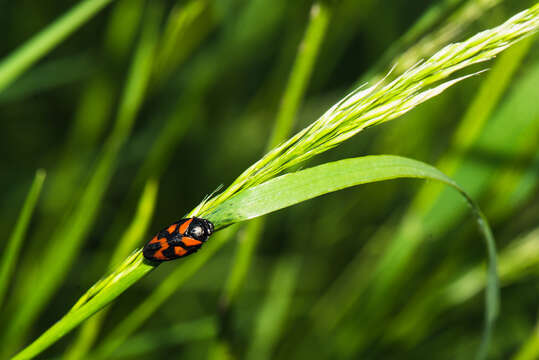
180, 239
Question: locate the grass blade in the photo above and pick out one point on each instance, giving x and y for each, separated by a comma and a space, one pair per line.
358, 110
291, 100
165, 289
301, 73
131, 270
380, 103
131, 238
530, 349
421, 221
35, 48
68, 239
274, 310
452, 27
415, 322
293, 188
13, 247
270, 196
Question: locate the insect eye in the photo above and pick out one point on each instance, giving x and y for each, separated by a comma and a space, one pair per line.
197, 231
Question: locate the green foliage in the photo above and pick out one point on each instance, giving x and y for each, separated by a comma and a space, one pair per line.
208, 86
15, 241
21, 59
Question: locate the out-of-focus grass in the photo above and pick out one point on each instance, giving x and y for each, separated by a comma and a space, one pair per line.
67, 239
45, 41
433, 209
272, 316
217, 73
530, 349
15, 241
128, 242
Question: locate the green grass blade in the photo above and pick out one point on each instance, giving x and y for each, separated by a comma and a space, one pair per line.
132, 270
292, 188
272, 316
291, 100
419, 221
452, 27
414, 323
166, 288
530, 349
270, 196
131, 238
188, 24
123, 27
379, 103
35, 48
437, 205
138, 228
13, 247
301, 73
247, 243
430, 195
68, 239
484, 103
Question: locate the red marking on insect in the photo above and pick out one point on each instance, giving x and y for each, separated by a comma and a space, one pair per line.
170, 244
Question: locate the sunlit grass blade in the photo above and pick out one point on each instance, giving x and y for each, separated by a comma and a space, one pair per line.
247, 242
160, 294
139, 226
270, 196
291, 100
35, 48
451, 28
258, 201
294, 93
383, 102
68, 238
530, 349
130, 271
14, 243
130, 239
355, 112
301, 73
432, 202
290, 103
434, 210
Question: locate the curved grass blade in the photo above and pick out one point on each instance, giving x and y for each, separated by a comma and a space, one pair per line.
343, 295
365, 107
293, 188
22, 58
270, 196
13, 247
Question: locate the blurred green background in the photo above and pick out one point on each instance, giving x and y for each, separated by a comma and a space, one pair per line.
183, 95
